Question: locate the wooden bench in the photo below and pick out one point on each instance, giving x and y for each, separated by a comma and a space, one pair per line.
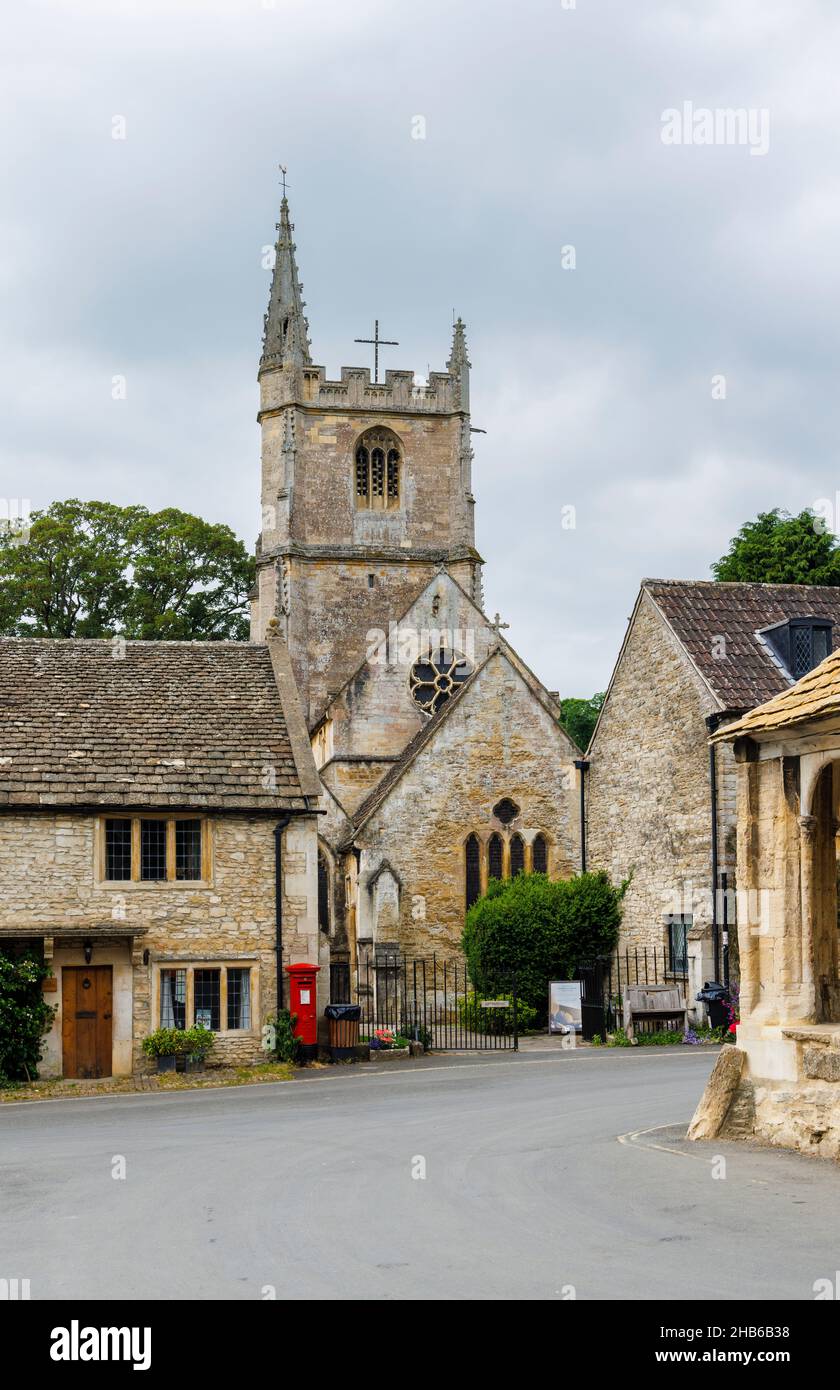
653, 1003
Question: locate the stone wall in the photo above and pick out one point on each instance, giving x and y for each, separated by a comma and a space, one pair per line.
648, 802
49, 880
498, 741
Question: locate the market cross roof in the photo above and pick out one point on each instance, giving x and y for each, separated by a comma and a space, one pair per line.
815, 696
190, 724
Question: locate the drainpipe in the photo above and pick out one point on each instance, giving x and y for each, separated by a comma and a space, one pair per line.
278, 903
582, 766
712, 722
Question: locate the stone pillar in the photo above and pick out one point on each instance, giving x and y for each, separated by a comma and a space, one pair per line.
808, 912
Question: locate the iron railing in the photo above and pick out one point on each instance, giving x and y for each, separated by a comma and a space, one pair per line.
604, 980
429, 999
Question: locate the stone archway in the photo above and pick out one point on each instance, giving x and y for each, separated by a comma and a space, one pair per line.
818, 831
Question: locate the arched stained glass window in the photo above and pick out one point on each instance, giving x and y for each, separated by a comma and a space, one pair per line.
539, 855
517, 855
472, 857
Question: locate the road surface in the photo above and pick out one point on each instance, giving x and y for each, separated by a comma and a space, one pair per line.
314, 1188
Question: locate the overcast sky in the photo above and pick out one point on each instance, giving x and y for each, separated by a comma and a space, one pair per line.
543, 130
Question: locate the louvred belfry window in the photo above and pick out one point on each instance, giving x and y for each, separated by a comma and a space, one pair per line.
495, 856
362, 475
378, 470
539, 855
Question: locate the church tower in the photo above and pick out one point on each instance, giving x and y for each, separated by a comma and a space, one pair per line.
366, 492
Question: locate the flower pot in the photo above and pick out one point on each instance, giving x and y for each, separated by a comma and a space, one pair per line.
196, 1063
382, 1054
166, 1063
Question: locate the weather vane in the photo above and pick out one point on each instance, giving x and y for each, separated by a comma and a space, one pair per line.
283, 172
377, 342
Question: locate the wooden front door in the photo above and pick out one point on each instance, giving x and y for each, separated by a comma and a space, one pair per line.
87, 994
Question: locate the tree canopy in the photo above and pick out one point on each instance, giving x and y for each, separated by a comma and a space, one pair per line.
579, 717
92, 569
778, 548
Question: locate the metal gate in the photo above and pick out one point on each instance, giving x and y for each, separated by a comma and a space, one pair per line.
604, 980
428, 999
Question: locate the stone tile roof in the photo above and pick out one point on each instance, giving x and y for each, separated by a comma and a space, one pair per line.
815, 696
169, 724
701, 611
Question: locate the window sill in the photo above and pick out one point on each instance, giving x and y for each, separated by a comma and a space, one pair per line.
157, 885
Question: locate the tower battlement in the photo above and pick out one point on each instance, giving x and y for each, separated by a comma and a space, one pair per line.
441, 394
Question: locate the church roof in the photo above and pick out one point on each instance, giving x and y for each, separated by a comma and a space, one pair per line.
151, 724
741, 671
816, 696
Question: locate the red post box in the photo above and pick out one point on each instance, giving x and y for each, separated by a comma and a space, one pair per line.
303, 996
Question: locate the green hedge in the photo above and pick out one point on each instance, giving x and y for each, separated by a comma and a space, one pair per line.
480, 1020
541, 928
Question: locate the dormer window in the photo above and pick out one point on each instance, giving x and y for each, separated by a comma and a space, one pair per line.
800, 644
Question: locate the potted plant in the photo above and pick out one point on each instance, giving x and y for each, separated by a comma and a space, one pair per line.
162, 1045
195, 1043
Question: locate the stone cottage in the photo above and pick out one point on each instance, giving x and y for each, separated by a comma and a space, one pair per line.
782, 1082
158, 839
440, 751
660, 802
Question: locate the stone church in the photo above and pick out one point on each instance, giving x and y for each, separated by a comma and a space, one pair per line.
440, 753
182, 821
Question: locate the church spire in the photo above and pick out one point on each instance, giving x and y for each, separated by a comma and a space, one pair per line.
286, 335
459, 364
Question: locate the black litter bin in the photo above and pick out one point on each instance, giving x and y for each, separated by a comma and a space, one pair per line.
716, 998
344, 1028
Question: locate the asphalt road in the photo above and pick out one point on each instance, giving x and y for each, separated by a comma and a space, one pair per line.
307, 1187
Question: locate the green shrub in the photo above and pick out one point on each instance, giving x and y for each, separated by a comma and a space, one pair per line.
197, 1042
25, 1016
286, 1047
179, 1042
540, 928
480, 1020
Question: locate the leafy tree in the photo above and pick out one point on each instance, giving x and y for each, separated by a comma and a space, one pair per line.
25, 1016
191, 579
92, 569
579, 717
778, 548
541, 928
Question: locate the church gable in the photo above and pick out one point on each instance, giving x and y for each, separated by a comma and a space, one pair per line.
411, 669
490, 777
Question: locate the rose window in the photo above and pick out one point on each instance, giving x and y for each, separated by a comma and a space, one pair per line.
437, 676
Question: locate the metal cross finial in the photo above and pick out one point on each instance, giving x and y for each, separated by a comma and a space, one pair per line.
283, 171
497, 624
377, 343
